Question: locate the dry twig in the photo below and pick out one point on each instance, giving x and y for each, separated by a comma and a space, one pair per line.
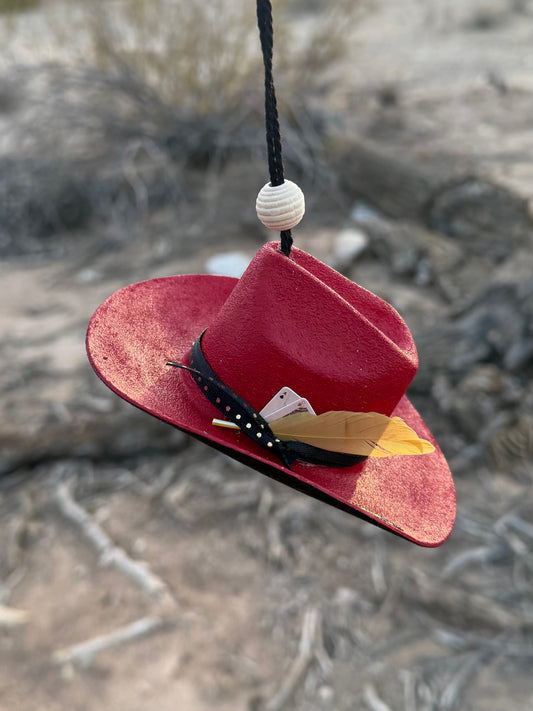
109, 554
7, 586
14, 532
451, 694
10, 617
465, 610
409, 690
157, 487
377, 570
82, 655
472, 556
310, 642
373, 701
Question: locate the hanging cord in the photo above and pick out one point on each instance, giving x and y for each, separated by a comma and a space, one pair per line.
273, 137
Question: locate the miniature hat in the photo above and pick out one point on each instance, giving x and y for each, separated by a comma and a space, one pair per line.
288, 322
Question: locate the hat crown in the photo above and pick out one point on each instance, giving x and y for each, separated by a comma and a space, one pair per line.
295, 322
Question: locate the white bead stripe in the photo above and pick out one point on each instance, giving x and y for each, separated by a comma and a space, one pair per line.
280, 207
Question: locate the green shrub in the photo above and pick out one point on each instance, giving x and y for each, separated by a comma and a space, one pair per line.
204, 56
13, 6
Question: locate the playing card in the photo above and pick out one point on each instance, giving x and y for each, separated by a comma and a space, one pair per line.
301, 405
284, 397
285, 402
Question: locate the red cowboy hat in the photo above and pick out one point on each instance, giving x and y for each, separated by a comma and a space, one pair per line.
287, 322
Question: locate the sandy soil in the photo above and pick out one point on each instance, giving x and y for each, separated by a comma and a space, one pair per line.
141, 570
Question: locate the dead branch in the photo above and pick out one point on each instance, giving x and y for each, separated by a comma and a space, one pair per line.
377, 570
82, 655
472, 556
451, 694
14, 531
109, 554
156, 488
310, 641
266, 503
465, 610
409, 689
276, 550
373, 701
7, 586
10, 617
518, 524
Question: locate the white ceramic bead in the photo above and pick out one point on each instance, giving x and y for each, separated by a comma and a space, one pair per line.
280, 207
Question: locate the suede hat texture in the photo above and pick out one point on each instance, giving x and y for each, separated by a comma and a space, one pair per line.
291, 322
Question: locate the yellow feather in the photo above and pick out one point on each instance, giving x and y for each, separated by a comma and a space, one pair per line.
364, 433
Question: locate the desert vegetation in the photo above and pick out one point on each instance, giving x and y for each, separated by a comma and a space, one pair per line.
141, 569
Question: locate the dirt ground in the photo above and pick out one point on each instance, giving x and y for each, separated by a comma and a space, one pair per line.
141, 570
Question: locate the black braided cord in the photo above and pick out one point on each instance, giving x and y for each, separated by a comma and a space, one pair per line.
273, 136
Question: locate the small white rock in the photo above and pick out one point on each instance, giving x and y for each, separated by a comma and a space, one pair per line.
139, 546
326, 694
232, 264
349, 244
364, 213
89, 276
345, 596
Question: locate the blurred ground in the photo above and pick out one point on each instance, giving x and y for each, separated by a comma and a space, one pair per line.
140, 570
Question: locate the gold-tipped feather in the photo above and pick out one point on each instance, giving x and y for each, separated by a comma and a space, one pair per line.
365, 433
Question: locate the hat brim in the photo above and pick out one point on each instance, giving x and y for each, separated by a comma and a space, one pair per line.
133, 334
